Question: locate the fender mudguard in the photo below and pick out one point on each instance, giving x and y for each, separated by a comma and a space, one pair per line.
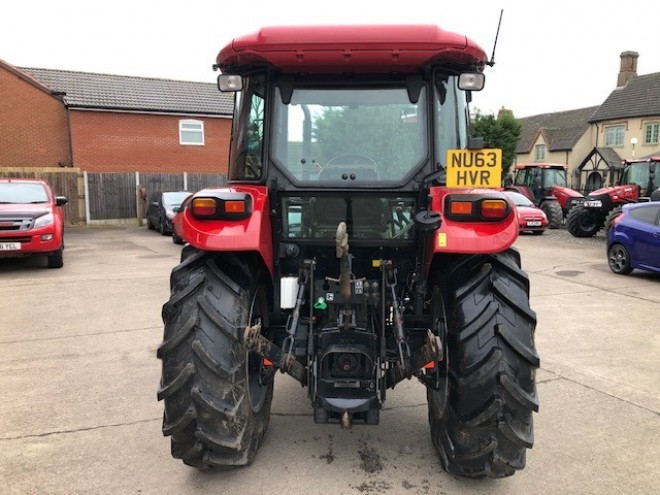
248, 234
472, 237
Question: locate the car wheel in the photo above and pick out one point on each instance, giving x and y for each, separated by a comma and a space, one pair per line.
161, 227
176, 239
619, 259
150, 225
56, 260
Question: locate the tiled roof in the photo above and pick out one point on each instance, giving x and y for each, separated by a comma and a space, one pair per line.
561, 130
640, 97
111, 92
610, 156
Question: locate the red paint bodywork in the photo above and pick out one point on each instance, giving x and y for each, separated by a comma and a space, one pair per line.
531, 213
31, 240
472, 237
618, 194
250, 234
358, 49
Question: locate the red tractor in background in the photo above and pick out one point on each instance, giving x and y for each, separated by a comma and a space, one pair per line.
546, 185
638, 182
338, 255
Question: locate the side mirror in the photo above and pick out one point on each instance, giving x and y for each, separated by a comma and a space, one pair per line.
154, 203
230, 83
176, 209
60, 201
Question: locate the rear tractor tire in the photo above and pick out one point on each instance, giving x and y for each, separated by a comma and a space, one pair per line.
584, 222
611, 216
217, 401
482, 425
553, 211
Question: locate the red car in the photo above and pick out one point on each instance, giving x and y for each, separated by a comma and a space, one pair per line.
530, 218
31, 220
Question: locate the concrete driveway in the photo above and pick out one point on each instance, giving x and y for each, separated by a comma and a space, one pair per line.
78, 380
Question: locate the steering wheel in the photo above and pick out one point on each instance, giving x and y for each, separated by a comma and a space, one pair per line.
350, 159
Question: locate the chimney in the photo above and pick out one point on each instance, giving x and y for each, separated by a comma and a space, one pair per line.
628, 68
504, 112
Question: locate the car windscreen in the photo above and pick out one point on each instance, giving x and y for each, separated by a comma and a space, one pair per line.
21, 193
174, 198
519, 199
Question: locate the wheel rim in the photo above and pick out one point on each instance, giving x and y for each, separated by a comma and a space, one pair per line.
257, 389
440, 326
618, 259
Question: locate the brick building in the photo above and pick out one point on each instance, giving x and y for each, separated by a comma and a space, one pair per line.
110, 123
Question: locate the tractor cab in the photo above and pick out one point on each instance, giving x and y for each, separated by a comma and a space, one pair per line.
642, 173
539, 179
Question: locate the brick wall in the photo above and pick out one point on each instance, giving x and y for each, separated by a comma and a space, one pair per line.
33, 131
127, 142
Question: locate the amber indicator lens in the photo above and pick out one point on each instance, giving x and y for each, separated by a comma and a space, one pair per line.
461, 208
493, 208
204, 207
235, 206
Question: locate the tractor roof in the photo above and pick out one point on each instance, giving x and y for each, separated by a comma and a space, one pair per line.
642, 160
358, 49
522, 166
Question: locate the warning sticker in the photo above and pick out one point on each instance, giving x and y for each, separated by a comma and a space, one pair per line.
474, 168
442, 239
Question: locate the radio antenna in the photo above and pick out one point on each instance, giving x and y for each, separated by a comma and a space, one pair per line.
492, 57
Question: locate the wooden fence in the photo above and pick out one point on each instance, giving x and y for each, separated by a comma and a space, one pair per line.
110, 198
63, 181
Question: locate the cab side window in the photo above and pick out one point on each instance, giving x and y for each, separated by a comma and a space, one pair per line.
249, 131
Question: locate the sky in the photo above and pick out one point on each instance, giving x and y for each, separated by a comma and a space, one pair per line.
551, 56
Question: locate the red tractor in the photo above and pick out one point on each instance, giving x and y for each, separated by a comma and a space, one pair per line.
637, 183
546, 186
338, 255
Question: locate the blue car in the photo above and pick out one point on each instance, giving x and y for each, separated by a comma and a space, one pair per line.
634, 239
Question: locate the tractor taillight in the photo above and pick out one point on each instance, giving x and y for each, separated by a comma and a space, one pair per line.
223, 205
235, 207
204, 207
476, 208
494, 209
461, 208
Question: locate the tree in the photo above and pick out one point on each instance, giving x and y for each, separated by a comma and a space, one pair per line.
501, 132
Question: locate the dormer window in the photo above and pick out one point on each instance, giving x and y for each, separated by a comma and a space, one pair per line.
539, 152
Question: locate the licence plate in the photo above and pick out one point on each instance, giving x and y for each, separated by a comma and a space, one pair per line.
10, 246
534, 224
593, 204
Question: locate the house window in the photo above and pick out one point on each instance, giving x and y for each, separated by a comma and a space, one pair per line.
651, 132
539, 152
191, 132
614, 136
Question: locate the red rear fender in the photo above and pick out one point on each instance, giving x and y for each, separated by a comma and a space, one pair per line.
252, 233
472, 236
